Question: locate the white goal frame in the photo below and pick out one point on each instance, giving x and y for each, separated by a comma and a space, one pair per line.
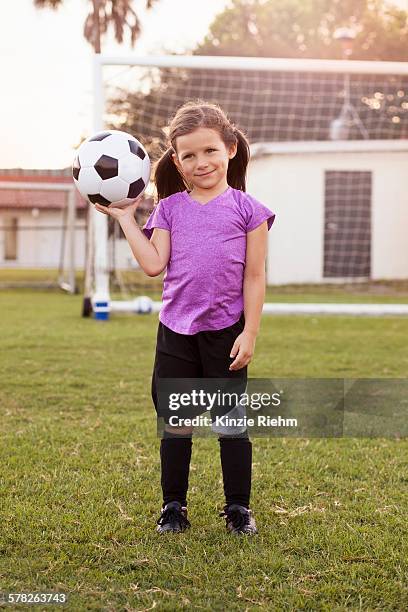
98, 227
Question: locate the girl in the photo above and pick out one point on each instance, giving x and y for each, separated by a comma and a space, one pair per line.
211, 236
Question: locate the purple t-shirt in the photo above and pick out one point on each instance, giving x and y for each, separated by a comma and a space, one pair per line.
203, 283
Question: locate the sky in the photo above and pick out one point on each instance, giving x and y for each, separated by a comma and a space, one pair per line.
46, 66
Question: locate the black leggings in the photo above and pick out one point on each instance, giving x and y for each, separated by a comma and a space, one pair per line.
201, 355
236, 464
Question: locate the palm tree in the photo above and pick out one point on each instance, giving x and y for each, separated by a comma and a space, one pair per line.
104, 13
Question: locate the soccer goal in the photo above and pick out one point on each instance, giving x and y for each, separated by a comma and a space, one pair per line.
329, 141
40, 244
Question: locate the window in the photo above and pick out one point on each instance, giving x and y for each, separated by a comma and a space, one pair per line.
10, 242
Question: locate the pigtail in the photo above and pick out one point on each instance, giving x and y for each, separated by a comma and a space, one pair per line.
237, 167
167, 178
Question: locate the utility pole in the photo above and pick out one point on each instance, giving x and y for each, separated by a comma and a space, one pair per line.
340, 127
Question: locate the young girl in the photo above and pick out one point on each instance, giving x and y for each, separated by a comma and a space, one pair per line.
211, 236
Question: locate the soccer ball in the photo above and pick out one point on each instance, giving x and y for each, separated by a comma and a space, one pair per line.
143, 304
111, 167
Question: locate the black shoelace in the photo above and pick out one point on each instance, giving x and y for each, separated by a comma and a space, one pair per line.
236, 517
173, 514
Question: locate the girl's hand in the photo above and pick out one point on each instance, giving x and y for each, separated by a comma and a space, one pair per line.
119, 213
243, 350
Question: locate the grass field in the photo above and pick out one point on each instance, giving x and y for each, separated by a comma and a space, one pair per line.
80, 478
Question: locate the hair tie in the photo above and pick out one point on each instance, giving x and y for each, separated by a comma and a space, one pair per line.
236, 132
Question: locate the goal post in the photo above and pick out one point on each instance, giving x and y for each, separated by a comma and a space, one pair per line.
281, 103
96, 282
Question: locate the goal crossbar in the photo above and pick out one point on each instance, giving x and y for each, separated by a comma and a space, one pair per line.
257, 63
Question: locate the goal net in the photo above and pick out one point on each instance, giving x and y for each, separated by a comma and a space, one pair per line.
290, 101
42, 233
274, 101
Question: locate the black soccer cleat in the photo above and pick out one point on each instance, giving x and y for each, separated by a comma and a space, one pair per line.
173, 518
239, 519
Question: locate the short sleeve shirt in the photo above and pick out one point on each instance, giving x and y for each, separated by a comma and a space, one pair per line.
203, 283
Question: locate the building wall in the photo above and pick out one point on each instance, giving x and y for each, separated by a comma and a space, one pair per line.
124, 258
292, 185
39, 239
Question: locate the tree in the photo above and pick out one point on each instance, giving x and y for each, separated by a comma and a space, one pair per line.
104, 13
309, 102
304, 28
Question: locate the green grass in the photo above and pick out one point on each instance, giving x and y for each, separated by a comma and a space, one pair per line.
136, 282
80, 477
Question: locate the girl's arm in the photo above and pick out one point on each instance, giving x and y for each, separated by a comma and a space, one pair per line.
254, 296
152, 255
254, 278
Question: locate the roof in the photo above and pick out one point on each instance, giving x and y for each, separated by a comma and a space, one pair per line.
25, 174
27, 199
23, 199
263, 149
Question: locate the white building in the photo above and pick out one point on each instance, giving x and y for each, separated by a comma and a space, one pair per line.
33, 224
341, 209
32, 221
341, 214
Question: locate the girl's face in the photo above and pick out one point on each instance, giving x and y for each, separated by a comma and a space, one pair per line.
202, 158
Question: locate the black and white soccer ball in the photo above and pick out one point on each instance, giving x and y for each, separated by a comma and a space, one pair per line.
111, 167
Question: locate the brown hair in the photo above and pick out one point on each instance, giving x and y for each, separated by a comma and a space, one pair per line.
189, 117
